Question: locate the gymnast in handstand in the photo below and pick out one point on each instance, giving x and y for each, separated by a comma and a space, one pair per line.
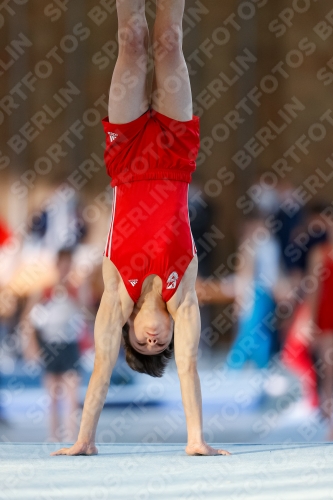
150, 263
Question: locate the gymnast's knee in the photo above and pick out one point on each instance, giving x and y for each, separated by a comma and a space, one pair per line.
168, 39
133, 39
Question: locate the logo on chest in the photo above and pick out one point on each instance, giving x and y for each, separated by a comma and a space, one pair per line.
172, 281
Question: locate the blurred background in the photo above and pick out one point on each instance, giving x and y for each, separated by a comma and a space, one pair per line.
260, 208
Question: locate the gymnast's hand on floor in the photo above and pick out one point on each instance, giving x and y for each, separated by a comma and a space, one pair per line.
204, 449
77, 449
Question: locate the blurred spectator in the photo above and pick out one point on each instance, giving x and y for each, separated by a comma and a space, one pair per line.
306, 236
320, 299
256, 280
298, 352
57, 322
297, 355
289, 217
62, 218
56, 224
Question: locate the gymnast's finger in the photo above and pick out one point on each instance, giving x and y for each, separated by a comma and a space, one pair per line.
62, 451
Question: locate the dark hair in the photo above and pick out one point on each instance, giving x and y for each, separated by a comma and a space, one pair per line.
153, 365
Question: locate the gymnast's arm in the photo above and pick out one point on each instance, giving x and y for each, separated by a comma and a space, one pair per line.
185, 311
113, 312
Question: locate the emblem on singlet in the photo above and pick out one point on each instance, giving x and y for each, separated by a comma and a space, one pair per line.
172, 281
133, 282
112, 136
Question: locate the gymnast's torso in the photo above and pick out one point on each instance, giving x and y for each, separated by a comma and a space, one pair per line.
150, 161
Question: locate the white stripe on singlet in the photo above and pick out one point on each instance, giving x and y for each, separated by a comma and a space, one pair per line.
109, 238
188, 218
113, 216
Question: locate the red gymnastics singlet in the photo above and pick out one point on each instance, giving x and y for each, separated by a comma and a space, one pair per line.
151, 161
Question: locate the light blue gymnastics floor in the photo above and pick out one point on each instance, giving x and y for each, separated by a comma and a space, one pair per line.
154, 471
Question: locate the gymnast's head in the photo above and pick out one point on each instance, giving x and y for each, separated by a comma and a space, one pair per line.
148, 340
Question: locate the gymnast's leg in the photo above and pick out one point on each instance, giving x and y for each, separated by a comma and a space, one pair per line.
171, 94
128, 92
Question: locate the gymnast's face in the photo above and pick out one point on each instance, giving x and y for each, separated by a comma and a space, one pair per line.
151, 331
